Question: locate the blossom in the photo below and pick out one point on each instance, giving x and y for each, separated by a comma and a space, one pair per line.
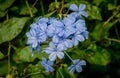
80, 25
33, 40
63, 42
48, 65
76, 37
80, 10
54, 52
77, 66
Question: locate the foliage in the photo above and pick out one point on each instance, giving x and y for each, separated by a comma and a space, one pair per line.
100, 50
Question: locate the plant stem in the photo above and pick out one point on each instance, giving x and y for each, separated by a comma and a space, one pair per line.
108, 20
31, 14
42, 7
9, 48
62, 6
60, 74
112, 39
32, 74
69, 56
34, 4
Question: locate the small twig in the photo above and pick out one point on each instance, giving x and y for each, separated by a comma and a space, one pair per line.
62, 6
34, 4
42, 7
112, 39
60, 74
9, 48
32, 74
31, 14
108, 20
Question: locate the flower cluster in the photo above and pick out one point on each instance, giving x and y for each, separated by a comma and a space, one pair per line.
64, 33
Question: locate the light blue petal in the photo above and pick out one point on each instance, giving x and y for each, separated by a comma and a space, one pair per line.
82, 7
32, 32
84, 13
34, 45
72, 70
48, 50
51, 30
75, 41
76, 61
78, 68
80, 38
61, 47
85, 34
49, 69
60, 55
82, 62
55, 39
68, 43
38, 48
50, 63
52, 56
43, 62
73, 7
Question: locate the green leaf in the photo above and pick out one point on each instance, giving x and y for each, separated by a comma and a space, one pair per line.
96, 31
25, 11
53, 6
4, 4
3, 67
1, 55
49, 14
2, 13
11, 28
94, 12
106, 28
23, 55
64, 73
111, 7
100, 56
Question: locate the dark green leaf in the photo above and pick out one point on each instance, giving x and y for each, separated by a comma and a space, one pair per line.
25, 11
1, 55
94, 12
2, 13
3, 67
100, 56
53, 6
4, 4
11, 28
23, 55
49, 14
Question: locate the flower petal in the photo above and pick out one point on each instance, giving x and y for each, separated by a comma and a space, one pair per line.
73, 7
78, 68
60, 55
82, 7
52, 56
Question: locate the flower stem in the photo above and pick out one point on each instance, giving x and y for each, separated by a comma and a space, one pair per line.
69, 56
31, 14
9, 48
42, 7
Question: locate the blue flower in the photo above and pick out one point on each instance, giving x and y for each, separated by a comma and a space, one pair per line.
77, 66
63, 42
76, 37
80, 25
47, 65
52, 27
41, 20
80, 10
41, 30
66, 28
33, 40
54, 52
